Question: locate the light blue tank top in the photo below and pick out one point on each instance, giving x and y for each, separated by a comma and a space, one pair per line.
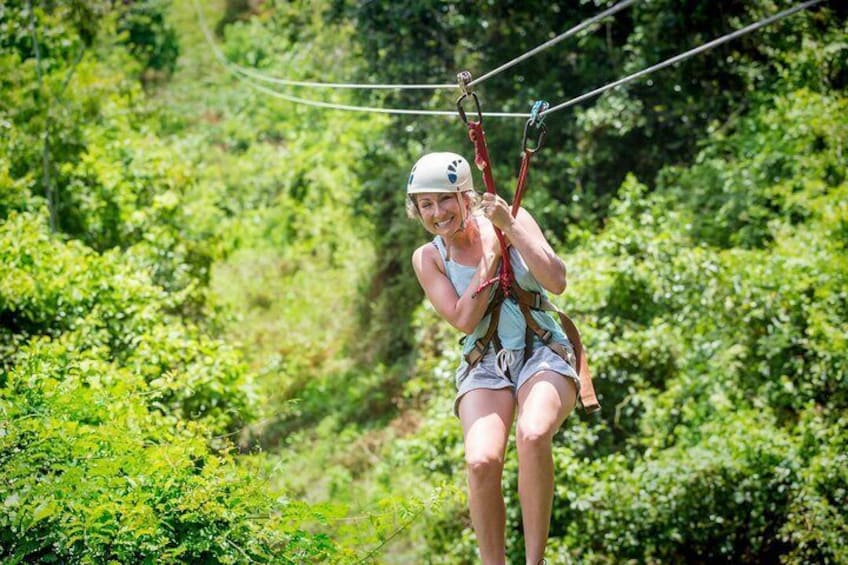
511, 325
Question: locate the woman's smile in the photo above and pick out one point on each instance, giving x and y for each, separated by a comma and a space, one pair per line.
441, 224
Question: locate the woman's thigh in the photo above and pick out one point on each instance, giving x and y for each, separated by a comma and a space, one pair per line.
486, 417
544, 402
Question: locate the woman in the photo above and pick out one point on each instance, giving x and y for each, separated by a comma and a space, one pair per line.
464, 253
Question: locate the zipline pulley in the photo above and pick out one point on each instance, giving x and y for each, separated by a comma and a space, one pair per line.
463, 78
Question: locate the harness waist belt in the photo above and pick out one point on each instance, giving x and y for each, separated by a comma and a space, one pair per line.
528, 301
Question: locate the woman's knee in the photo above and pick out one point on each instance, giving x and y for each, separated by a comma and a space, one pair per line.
534, 433
484, 466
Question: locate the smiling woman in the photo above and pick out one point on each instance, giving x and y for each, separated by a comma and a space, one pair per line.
511, 369
440, 177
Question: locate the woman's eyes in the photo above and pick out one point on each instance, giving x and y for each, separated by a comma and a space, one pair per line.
443, 199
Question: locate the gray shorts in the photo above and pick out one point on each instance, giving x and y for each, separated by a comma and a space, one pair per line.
486, 374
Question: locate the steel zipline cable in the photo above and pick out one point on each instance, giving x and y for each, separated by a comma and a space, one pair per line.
263, 77
244, 77
576, 29
246, 74
683, 56
249, 77
361, 86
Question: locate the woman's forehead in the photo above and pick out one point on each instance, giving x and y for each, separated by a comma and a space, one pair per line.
433, 195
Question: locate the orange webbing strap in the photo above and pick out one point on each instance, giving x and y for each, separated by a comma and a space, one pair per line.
522, 180
534, 300
587, 390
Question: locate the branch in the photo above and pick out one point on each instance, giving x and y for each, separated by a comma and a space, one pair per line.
45, 151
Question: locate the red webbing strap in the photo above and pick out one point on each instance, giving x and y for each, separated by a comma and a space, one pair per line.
536, 121
481, 159
522, 180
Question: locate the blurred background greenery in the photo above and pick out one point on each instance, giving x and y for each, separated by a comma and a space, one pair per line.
213, 347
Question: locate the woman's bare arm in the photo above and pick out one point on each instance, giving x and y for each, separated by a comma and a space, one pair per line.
462, 312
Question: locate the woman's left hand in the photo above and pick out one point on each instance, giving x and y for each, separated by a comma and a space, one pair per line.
497, 211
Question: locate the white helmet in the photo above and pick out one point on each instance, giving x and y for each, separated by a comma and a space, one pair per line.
440, 172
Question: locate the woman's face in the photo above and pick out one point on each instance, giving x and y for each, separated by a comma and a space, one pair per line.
440, 212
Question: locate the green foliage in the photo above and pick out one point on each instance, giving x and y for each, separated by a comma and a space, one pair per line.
94, 302
720, 500
115, 421
197, 263
816, 528
730, 496
118, 401
149, 37
236, 10
747, 183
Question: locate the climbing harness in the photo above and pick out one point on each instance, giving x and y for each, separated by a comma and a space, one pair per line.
505, 285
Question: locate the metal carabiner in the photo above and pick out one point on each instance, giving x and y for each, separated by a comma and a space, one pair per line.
536, 120
538, 110
463, 78
461, 110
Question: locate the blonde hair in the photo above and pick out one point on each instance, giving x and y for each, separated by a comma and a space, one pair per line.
472, 202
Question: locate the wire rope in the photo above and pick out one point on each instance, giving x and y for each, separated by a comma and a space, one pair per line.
682, 56
264, 77
246, 77
363, 86
240, 75
566, 34
372, 109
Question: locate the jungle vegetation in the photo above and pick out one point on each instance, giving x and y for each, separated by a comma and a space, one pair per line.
213, 348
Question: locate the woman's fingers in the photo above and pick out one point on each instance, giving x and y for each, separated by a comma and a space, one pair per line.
492, 202
496, 210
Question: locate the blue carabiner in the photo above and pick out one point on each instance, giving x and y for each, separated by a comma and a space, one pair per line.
536, 120
539, 107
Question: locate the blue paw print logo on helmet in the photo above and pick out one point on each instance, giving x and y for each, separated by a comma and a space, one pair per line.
452, 175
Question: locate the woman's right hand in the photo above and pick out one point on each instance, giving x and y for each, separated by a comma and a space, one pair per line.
497, 211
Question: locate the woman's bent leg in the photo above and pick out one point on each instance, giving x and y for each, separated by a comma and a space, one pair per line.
544, 402
486, 417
